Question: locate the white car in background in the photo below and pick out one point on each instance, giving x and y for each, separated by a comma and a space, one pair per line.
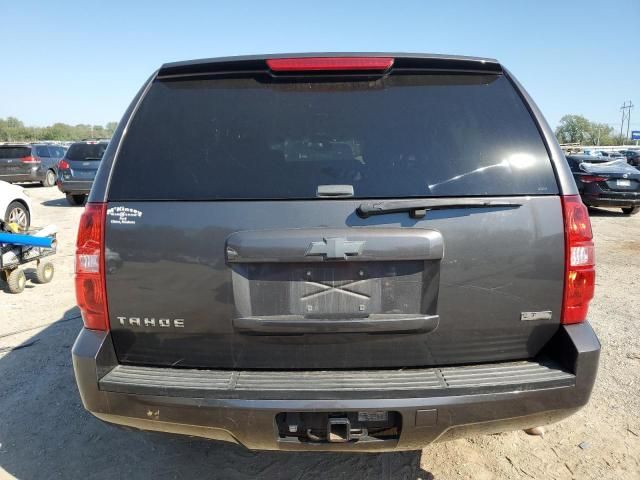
15, 205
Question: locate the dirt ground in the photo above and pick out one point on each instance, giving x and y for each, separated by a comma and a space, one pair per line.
45, 433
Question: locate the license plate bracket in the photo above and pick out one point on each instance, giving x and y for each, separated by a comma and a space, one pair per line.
337, 290
345, 289
623, 182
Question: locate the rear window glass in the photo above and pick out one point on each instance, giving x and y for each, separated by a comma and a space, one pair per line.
14, 152
42, 151
56, 151
86, 151
400, 136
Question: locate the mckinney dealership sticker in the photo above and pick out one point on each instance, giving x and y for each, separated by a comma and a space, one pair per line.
123, 215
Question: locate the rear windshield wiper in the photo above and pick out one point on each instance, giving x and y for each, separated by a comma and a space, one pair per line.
419, 208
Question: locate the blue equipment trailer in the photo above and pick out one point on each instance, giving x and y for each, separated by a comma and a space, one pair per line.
17, 249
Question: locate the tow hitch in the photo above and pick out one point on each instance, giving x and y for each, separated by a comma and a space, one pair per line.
339, 430
338, 427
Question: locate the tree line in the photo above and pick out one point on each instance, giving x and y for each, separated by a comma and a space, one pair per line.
578, 129
13, 130
572, 129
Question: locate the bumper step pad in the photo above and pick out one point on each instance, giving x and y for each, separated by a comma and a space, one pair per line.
411, 382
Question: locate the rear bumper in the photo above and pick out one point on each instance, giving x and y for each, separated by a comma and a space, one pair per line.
75, 187
33, 175
458, 402
612, 199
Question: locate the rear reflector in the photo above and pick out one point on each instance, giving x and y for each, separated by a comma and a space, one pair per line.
30, 159
90, 276
580, 274
328, 64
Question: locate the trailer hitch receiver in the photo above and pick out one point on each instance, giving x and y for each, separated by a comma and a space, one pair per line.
338, 430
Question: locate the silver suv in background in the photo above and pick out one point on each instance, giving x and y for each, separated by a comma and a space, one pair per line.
77, 169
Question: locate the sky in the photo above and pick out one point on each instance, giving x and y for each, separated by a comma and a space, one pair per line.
83, 61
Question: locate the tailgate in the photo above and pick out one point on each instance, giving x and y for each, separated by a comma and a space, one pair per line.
624, 183
12, 160
83, 169
452, 288
84, 159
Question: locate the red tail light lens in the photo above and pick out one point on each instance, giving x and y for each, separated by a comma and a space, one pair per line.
591, 179
30, 159
63, 165
91, 293
329, 64
580, 274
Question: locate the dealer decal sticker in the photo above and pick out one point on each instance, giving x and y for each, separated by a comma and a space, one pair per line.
123, 215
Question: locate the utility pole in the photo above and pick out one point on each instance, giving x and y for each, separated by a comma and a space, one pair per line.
626, 115
629, 117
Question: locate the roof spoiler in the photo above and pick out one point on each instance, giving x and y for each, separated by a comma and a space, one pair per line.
401, 61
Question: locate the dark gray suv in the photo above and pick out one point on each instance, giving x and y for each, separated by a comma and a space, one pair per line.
334, 252
23, 162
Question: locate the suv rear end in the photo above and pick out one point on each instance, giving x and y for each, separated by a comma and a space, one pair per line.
78, 167
334, 253
19, 162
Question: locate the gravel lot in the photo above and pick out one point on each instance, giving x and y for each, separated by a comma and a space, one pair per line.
45, 433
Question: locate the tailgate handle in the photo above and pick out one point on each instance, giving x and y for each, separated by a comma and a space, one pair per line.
355, 244
334, 191
300, 325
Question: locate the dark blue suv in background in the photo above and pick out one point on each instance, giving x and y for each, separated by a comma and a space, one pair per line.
78, 168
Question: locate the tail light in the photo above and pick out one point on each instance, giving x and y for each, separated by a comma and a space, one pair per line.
91, 292
591, 179
580, 274
30, 160
329, 64
63, 165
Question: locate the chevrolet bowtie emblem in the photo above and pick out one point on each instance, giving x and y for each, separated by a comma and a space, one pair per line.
335, 248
